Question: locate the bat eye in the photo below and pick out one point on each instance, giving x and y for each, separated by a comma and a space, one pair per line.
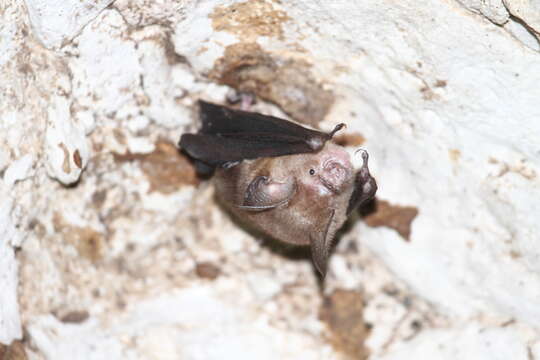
311, 172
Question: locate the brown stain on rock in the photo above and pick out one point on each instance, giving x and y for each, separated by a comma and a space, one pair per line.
99, 197
207, 270
65, 165
395, 217
13, 351
165, 168
427, 91
162, 37
521, 168
171, 55
74, 317
286, 82
343, 313
349, 139
454, 155
77, 159
119, 136
88, 242
441, 83
249, 19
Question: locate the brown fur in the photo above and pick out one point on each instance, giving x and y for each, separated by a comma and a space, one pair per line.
305, 218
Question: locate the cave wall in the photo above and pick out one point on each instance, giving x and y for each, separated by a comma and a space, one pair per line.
112, 247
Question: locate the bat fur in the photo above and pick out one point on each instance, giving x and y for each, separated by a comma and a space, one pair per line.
288, 181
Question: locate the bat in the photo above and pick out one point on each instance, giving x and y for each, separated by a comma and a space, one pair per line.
290, 182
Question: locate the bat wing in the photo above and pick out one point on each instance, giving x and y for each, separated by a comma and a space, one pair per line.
321, 243
229, 136
365, 186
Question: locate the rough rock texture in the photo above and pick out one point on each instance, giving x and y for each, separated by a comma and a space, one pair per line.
110, 248
494, 10
527, 11
56, 22
10, 324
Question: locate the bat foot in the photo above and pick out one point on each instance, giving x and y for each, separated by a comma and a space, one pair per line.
230, 164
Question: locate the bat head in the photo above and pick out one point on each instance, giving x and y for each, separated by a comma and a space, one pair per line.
327, 172
300, 199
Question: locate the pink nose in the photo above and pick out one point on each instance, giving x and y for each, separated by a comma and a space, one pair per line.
334, 175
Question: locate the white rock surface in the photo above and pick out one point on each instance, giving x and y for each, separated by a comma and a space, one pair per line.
20, 169
56, 22
467, 230
522, 33
472, 342
446, 100
526, 10
10, 322
197, 323
65, 143
494, 10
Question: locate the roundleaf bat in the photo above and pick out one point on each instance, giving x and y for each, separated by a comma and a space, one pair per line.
288, 181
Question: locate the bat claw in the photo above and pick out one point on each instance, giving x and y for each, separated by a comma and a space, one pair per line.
230, 164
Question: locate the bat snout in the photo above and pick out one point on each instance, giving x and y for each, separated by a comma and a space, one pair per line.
334, 175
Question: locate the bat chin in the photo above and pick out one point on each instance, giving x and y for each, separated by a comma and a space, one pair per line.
328, 188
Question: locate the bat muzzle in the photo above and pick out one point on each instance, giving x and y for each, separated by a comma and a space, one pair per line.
334, 175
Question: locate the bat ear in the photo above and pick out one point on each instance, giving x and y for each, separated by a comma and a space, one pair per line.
365, 186
321, 243
265, 193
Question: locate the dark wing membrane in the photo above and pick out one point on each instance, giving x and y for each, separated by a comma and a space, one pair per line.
216, 150
217, 119
232, 135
